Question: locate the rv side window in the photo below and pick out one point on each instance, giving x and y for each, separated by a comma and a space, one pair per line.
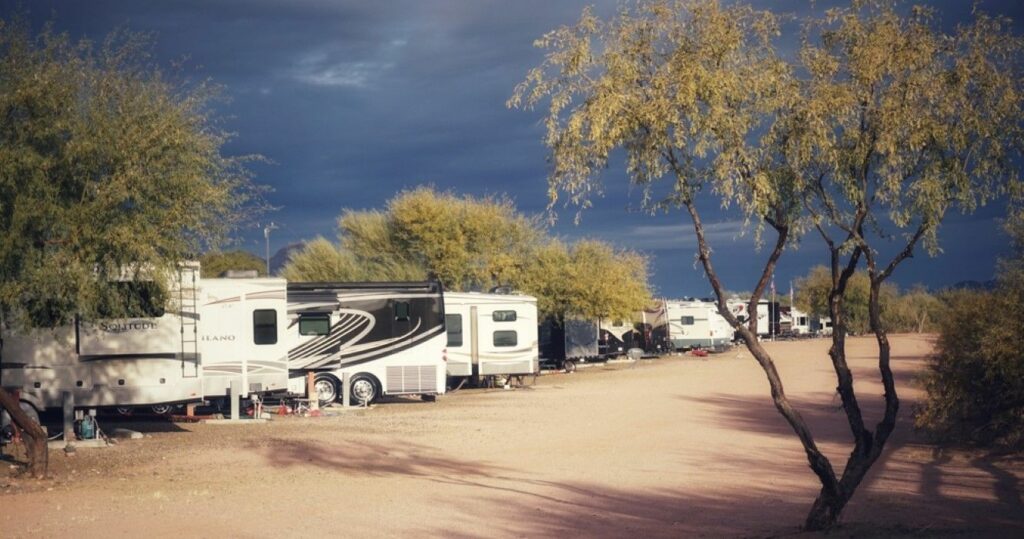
401, 310
504, 316
453, 322
687, 320
505, 338
314, 324
264, 326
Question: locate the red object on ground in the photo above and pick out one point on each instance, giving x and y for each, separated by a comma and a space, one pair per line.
698, 352
283, 409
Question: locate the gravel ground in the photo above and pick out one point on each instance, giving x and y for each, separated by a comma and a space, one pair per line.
679, 446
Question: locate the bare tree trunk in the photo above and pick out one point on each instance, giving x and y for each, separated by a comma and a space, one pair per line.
35, 437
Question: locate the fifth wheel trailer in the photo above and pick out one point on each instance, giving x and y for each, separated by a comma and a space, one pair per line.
210, 333
491, 334
389, 338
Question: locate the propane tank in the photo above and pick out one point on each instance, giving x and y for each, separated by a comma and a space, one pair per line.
87, 428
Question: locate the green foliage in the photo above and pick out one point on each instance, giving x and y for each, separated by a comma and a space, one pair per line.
681, 86
916, 310
591, 279
322, 261
215, 263
476, 244
975, 381
108, 171
467, 242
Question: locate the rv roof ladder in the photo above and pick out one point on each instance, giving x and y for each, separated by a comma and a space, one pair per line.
189, 316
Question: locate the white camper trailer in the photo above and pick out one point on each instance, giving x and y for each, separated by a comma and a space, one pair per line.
800, 322
151, 358
491, 334
697, 324
768, 315
389, 338
217, 331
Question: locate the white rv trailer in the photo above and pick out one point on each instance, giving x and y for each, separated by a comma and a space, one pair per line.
821, 325
768, 315
218, 331
697, 324
800, 322
388, 337
491, 334
152, 358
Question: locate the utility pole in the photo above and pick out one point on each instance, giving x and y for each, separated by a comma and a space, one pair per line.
266, 238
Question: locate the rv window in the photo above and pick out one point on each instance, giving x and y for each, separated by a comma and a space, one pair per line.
314, 324
453, 322
687, 320
401, 310
264, 326
505, 338
504, 316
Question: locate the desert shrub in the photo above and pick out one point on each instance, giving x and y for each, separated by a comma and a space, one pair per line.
975, 380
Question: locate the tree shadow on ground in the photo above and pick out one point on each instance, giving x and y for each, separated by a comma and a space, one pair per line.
369, 459
493, 500
822, 411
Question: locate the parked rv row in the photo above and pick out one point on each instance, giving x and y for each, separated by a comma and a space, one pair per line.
265, 336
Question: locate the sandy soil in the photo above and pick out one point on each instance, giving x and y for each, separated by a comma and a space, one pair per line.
680, 446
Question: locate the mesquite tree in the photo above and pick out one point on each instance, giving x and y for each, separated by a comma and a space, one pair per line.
107, 167
879, 122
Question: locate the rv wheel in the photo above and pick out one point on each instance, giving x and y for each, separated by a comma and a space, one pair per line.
364, 388
326, 387
569, 366
162, 409
125, 410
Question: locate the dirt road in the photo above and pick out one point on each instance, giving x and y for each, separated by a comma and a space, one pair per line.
676, 447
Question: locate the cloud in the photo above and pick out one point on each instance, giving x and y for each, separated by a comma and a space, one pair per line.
321, 68
678, 236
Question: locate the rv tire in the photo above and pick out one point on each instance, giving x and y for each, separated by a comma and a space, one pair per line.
569, 366
327, 388
365, 386
162, 409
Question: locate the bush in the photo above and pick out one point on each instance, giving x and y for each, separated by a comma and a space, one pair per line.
975, 381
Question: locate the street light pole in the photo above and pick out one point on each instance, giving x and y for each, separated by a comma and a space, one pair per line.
266, 238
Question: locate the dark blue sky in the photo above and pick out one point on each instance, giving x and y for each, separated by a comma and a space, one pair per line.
355, 100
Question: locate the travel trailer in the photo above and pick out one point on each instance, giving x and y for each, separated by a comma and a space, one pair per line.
491, 334
697, 324
211, 332
794, 322
768, 315
648, 331
821, 325
563, 345
389, 338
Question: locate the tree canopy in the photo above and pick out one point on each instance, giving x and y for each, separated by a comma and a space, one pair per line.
215, 263
476, 244
107, 166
